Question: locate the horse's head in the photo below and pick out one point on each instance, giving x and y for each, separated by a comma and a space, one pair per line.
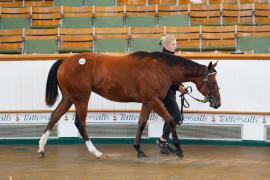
209, 87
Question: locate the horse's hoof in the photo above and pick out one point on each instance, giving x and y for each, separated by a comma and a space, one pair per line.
141, 155
102, 156
42, 154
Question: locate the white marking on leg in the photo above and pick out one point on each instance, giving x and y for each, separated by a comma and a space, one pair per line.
43, 141
10, 177
92, 149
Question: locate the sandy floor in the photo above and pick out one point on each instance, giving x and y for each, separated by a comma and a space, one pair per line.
72, 162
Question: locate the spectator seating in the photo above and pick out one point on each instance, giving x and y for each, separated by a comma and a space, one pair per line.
131, 2
41, 41
38, 3
15, 18
220, 38
253, 39
145, 38
12, 4
262, 14
188, 38
163, 2
69, 3
77, 17
11, 41
141, 16
75, 40
108, 16
46, 17
205, 14
94, 25
173, 15
111, 39
99, 2
241, 14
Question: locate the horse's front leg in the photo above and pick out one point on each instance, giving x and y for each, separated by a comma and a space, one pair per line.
144, 115
160, 109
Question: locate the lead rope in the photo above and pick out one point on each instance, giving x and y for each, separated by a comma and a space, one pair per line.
185, 103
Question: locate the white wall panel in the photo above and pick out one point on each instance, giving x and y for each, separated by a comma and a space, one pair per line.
244, 86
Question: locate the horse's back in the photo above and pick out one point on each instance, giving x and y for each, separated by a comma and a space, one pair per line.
91, 64
115, 77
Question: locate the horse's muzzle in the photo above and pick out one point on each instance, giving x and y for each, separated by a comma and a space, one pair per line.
217, 106
214, 104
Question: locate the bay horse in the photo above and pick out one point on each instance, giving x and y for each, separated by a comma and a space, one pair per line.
141, 77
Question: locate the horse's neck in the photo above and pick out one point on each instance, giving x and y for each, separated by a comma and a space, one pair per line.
197, 76
190, 74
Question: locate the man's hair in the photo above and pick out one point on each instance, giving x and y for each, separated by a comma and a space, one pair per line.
166, 39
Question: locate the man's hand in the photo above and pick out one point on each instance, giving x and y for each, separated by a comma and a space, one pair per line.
182, 89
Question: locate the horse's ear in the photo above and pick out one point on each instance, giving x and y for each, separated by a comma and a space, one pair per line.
215, 64
210, 66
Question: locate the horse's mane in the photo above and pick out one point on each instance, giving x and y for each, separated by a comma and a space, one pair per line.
166, 58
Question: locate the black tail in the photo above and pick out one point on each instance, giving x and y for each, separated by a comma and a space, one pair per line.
52, 84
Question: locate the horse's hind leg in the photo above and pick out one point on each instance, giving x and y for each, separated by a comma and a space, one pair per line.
144, 115
80, 122
61, 109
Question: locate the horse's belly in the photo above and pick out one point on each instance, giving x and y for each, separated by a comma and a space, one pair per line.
120, 96
115, 87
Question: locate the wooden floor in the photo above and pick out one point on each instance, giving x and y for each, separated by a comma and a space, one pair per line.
73, 162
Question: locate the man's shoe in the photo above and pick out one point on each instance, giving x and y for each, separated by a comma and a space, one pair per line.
164, 147
170, 149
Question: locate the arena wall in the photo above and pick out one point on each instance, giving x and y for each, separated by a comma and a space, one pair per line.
244, 114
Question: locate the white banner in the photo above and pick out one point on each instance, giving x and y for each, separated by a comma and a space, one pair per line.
133, 117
